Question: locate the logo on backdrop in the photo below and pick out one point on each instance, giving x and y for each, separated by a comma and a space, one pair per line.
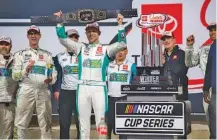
151, 20
158, 18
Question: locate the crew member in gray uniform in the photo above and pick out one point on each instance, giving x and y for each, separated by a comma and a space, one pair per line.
8, 89
34, 69
193, 59
66, 64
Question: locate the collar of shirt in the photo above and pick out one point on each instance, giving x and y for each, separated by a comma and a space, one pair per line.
174, 50
124, 62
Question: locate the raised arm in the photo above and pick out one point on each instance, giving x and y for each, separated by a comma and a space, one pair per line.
70, 45
192, 59
114, 48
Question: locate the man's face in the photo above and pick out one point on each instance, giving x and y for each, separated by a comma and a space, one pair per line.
34, 38
212, 33
5, 47
74, 37
121, 55
92, 35
169, 42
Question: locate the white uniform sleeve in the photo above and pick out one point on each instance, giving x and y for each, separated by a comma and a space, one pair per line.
70, 45
114, 48
192, 58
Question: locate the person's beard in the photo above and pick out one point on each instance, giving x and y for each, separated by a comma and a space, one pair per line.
4, 51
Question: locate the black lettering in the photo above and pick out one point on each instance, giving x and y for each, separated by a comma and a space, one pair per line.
157, 109
146, 121
157, 123
127, 122
138, 121
165, 122
151, 123
133, 122
135, 58
171, 123
151, 109
161, 122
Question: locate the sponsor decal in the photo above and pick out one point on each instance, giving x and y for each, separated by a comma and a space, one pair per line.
112, 66
86, 50
65, 59
122, 35
99, 51
151, 20
175, 57
70, 70
27, 57
38, 70
156, 88
125, 67
155, 72
126, 88
118, 77
41, 57
92, 63
141, 88
76, 60
149, 109
5, 72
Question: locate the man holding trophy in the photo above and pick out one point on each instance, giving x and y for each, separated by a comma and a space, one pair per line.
93, 59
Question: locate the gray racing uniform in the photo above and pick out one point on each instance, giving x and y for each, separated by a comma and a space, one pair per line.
199, 57
8, 89
33, 91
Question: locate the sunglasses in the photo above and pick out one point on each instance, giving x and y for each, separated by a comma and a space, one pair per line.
33, 33
5, 43
74, 36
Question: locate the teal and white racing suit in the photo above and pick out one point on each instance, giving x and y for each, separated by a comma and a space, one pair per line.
93, 60
120, 75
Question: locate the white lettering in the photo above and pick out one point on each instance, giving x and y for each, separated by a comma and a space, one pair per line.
155, 109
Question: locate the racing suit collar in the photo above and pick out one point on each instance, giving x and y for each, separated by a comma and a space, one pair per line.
124, 62
9, 60
70, 53
35, 50
94, 44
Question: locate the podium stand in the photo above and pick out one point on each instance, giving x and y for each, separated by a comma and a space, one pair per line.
152, 111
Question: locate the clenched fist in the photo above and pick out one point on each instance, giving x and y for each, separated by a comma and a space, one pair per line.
30, 66
190, 40
58, 14
120, 19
